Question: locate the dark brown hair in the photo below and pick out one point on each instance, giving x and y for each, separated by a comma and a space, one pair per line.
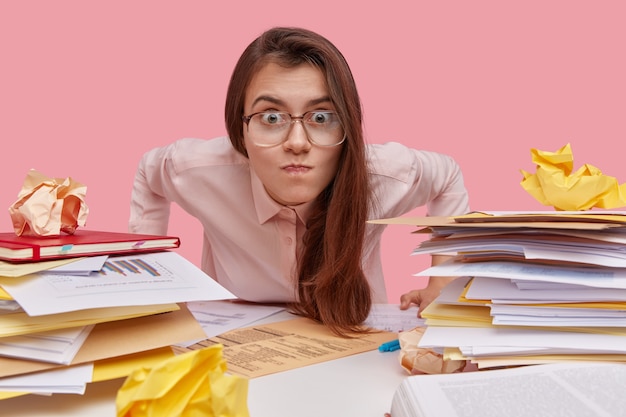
332, 286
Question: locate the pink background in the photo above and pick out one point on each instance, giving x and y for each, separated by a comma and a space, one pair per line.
87, 87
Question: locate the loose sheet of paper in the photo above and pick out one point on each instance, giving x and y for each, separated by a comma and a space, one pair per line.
9, 269
390, 318
84, 266
154, 278
505, 290
20, 323
68, 380
600, 277
56, 346
221, 316
265, 349
435, 337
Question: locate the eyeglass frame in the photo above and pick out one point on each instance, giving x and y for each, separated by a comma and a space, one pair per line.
246, 120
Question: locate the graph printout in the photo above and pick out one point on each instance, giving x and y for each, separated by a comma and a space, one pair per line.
155, 278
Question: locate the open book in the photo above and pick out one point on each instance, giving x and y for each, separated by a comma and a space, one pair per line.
563, 389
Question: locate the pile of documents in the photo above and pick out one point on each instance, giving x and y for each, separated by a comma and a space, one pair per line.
67, 322
535, 288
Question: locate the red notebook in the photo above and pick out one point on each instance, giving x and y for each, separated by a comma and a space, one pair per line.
15, 248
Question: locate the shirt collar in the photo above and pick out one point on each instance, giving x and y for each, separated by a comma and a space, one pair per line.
266, 207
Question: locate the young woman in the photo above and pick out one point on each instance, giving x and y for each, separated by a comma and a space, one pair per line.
285, 198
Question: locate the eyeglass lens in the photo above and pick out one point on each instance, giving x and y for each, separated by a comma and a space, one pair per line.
270, 128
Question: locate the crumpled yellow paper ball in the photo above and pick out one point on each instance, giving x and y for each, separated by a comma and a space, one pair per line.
192, 384
554, 184
48, 206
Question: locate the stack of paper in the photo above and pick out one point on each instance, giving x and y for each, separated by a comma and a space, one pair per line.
99, 315
536, 287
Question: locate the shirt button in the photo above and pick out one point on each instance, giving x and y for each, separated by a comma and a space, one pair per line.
289, 241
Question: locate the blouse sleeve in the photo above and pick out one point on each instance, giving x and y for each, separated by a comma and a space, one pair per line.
149, 207
404, 179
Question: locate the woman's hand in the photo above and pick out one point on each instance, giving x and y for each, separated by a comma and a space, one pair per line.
425, 296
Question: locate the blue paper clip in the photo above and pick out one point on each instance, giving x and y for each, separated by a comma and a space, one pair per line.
389, 346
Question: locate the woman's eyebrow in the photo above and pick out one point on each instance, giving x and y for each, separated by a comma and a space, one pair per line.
320, 100
277, 101
269, 99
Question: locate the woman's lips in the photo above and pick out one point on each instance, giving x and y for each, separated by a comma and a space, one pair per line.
296, 169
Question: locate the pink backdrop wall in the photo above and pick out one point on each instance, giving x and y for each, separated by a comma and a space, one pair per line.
87, 87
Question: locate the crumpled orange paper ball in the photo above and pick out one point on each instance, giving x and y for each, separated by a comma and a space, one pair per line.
192, 384
417, 360
48, 206
554, 184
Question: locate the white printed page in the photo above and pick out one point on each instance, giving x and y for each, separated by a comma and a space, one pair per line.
155, 278
570, 389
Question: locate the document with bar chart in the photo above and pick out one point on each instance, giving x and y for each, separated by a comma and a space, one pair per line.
154, 278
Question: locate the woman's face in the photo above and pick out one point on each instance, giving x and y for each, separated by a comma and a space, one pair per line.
295, 171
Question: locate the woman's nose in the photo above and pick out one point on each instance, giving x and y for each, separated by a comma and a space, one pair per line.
297, 138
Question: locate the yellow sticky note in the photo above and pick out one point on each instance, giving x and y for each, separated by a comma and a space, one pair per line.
554, 184
190, 384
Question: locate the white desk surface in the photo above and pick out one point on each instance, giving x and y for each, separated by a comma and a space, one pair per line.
359, 385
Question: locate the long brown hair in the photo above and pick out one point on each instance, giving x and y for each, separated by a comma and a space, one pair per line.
332, 287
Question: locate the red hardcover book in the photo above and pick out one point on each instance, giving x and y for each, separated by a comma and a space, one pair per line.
15, 248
